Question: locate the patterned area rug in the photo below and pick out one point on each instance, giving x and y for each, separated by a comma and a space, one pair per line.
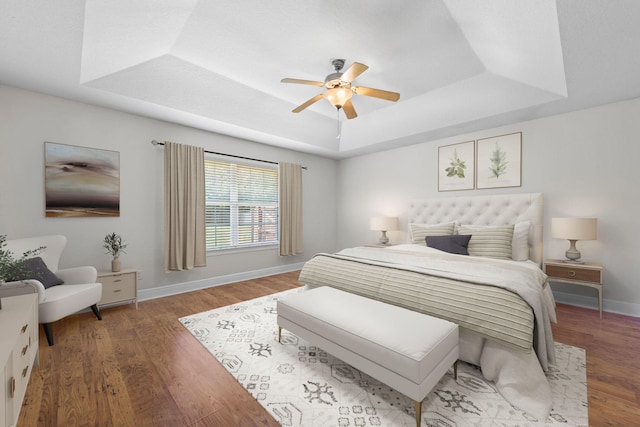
301, 385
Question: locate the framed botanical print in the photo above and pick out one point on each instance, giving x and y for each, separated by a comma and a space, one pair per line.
499, 161
456, 166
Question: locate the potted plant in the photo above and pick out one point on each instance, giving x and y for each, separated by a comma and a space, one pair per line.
10, 266
114, 245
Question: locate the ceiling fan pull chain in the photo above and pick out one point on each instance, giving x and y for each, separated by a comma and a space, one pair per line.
339, 135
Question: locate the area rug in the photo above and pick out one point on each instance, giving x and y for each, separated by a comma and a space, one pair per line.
301, 385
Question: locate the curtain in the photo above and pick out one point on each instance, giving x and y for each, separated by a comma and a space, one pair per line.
184, 209
290, 208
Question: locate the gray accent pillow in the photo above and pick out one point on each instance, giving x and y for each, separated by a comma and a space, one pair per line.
454, 244
35, 268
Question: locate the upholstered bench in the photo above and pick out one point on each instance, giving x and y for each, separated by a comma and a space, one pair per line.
403, 349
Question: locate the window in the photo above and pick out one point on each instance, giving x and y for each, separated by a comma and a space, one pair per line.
241, 205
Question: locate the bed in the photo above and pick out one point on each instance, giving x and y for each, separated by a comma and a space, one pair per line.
497, 294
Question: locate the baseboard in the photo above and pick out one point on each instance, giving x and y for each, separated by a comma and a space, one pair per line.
179, 288
611, 306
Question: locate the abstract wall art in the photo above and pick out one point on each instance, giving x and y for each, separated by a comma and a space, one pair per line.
81, 181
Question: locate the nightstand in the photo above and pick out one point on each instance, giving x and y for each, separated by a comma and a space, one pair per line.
587, 274
119, 287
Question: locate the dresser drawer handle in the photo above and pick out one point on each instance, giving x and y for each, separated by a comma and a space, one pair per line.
116, 281
24, 328
24, 349
117, 290
12, 387
571, 273
24, 371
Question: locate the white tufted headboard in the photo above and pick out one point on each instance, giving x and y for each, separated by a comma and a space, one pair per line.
485, 210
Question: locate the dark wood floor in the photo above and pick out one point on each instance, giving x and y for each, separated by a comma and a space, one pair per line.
143, 368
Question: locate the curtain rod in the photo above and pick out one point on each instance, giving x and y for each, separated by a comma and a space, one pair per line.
155, 142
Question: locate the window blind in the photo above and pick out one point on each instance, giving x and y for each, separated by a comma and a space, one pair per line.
241, 205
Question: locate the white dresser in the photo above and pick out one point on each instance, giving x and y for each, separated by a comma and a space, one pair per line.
18, 352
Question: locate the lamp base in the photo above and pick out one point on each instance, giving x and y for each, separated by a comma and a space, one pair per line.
573, 255
570, 261
384, 239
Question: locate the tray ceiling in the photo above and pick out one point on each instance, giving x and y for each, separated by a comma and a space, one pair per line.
459, 65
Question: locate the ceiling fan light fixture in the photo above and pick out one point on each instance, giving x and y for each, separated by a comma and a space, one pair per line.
339, 89
338, 96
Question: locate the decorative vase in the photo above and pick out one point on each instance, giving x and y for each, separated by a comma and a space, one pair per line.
116, 265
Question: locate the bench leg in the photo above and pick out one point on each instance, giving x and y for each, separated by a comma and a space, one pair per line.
418, 406
455, 370
279, 333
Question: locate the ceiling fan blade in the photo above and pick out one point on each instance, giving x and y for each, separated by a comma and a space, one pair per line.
353, 71
376, 93
306, 104
302, 82
349, 111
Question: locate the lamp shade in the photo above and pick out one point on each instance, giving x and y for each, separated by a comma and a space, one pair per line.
574, 228
338, 96
384, 223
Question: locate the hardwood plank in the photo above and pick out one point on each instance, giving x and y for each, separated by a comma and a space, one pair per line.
611, 344
142, 367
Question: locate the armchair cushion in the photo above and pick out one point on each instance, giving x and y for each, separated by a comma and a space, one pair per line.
35, 268
78, 275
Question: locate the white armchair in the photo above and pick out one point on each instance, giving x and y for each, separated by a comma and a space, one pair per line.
78, 292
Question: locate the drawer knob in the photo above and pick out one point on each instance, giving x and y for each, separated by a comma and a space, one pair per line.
117, 290
571, 273
24, 349
119, 280
24, 371
24, 328
12, 386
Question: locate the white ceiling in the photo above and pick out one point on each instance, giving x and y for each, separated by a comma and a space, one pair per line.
459, 65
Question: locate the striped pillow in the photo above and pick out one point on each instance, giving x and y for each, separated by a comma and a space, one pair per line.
489, 242
420, 231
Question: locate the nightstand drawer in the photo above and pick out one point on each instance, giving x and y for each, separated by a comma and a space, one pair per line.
117, 288
573, 273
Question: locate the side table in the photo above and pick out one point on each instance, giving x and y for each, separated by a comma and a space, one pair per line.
119, 287
587, 274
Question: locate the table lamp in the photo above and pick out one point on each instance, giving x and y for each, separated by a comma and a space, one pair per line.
384, 224
574, 229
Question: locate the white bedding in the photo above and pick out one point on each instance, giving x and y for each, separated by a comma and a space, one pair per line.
519, 376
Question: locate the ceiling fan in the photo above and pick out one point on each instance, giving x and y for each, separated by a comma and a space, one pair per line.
339, 89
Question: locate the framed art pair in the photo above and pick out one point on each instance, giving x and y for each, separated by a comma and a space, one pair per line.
494, 162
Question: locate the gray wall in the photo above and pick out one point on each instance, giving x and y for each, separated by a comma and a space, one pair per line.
583, 162
28, 119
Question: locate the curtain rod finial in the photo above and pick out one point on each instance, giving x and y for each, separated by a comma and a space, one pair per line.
154, 142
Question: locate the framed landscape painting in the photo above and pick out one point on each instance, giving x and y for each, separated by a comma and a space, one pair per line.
499, 161
81, 181
455, 166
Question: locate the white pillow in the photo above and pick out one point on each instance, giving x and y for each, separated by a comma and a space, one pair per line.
519, 243
420, 231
